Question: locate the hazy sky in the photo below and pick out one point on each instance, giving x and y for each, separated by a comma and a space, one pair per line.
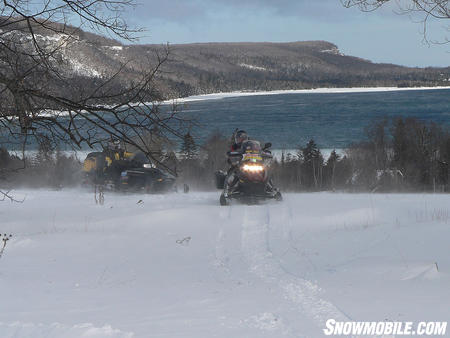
381, 36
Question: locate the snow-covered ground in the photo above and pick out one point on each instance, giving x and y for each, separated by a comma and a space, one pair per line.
179, 265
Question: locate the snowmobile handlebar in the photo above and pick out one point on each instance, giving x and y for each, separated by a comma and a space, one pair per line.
234, 154
267, 154
238, 155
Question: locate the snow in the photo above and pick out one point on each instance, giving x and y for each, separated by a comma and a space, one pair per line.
56, 40
59, 41
115, 47
179, 265
55, 37
83, 69
252, 67
334, 51
56, 330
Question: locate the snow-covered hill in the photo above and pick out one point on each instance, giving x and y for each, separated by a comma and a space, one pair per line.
179, 265
202, 68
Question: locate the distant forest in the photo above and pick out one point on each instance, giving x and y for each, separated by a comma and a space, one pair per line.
224, 67
203, 68
399, 155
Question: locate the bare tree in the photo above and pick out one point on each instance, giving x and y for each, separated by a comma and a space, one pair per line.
42, 99
426, 9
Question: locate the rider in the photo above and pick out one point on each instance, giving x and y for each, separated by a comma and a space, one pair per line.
237, 139
239, 136
115, 150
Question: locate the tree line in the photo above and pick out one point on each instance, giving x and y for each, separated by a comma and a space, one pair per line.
402, 154
48, 167
398, 155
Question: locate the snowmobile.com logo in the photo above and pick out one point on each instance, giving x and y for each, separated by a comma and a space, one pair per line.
334, 328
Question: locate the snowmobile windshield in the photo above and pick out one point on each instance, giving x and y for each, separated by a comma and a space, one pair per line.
251, 147
251, 151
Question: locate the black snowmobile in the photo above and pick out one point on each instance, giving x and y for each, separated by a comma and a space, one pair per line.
148, 179
105, 168
248, 178
126, 172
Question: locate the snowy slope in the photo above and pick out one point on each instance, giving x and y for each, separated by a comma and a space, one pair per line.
182, 266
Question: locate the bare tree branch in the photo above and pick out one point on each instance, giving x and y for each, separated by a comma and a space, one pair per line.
6, 195
425, 10
43, 100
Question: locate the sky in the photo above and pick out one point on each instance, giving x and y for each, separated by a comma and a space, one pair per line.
380, 36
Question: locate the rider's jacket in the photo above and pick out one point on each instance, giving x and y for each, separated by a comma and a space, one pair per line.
236, 147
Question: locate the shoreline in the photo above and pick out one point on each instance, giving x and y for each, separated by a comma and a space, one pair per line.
224, 95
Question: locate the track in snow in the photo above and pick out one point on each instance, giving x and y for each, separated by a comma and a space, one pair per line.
248, 271
56, 330
304, 294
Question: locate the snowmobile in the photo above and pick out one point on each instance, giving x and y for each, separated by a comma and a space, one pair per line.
124, 171
105, 167
148, 179
248, 178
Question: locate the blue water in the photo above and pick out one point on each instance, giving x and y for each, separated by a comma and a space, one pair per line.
291, 120
332, 120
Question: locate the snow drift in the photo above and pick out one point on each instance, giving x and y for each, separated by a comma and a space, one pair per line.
179, 265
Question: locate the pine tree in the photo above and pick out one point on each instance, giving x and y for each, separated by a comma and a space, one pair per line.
330, 166
400, 144
312, 164
45, 154
310, 152
188, 147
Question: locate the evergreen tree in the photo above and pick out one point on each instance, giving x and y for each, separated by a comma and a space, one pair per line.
376, 134
45, 154
330, 169
399, 144
188, 147
4, 158
311, 152
215, 146
312, 165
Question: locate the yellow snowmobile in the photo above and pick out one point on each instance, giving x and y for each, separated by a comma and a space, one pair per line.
126, 171
105, 167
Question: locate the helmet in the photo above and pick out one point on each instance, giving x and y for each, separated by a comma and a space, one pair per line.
240, 137
114, 144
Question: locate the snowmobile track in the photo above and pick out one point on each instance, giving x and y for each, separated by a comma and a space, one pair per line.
303, 293
221, 259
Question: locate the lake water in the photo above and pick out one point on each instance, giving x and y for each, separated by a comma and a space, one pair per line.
333, 120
